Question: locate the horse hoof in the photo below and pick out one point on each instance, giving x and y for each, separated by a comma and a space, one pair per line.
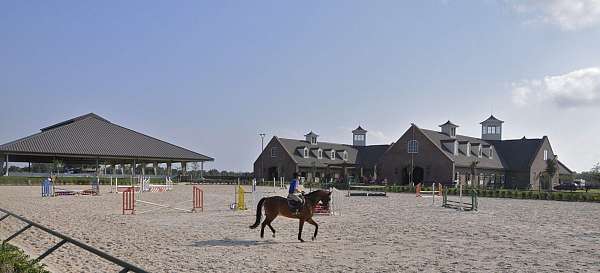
314, 238
273, 235
301, 241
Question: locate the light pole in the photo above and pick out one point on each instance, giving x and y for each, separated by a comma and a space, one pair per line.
262, 149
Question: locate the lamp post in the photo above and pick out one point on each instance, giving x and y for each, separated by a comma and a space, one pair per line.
262, 149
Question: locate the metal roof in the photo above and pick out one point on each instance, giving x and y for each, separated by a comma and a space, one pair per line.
93, 136
366, 156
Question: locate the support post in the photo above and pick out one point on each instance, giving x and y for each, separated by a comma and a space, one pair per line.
155, 168
201, 169
6, 165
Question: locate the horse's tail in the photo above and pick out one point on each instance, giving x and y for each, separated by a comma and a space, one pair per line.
258, 213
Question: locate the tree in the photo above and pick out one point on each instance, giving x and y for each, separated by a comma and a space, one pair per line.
551, 166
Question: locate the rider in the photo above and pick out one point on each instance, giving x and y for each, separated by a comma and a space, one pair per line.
294, 193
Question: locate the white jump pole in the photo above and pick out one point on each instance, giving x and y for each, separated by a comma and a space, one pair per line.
460, 197
433, 193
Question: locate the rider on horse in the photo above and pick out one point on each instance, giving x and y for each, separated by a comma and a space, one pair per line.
295, 193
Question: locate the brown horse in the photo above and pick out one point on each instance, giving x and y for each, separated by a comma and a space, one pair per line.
277, 205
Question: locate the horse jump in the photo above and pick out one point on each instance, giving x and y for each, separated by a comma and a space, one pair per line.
129, 202
240, 198
49, 190
334, 207
382, 193
433, 192
460, 205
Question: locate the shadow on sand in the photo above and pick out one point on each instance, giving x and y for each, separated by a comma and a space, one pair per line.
230, 242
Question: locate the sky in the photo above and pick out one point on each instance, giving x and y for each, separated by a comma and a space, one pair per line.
211, 75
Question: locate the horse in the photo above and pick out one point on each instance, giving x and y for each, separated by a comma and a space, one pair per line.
277, 205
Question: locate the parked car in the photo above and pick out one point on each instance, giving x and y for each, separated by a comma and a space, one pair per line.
569, 186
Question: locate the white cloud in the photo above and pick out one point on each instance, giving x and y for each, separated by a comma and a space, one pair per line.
574, 89
567, 14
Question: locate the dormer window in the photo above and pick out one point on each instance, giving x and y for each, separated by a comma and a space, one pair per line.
468, 149
452, 132
491, 155
320, 154
305, 152
332, 155
480, 153
313, 140
345, 156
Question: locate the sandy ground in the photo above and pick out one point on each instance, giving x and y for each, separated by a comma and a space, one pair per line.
373, 234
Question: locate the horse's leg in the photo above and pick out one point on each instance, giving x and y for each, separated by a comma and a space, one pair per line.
262, 228
300, 231
271, 227
312, 222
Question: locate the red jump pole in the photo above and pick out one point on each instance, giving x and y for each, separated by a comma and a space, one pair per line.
198, 197
129, 200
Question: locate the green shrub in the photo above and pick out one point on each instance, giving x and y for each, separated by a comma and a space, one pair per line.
584, 197
13, 259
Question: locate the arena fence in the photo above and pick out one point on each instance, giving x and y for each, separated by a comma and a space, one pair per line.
127, 267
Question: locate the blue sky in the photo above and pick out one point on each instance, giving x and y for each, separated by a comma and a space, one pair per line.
211, 75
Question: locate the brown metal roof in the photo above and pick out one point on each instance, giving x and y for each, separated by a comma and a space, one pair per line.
93, 136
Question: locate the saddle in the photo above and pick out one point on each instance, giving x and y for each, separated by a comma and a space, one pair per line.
294, 206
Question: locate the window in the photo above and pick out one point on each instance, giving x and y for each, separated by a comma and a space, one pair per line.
313, 140
359, 137
452, 131
480, 153
305, 152
491, 155
345, 156
545, 155
413, 147
332, 155
468, 149
273, 151
320, 154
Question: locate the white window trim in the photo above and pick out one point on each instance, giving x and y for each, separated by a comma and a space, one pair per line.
320, 154
468, 149
345, 156
455, 152
545, 155
491, 155
332, 154
306, 154
480, 152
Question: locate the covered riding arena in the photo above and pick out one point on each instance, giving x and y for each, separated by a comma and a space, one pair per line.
96, 147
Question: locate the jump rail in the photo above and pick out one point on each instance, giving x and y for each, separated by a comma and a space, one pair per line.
127, 267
